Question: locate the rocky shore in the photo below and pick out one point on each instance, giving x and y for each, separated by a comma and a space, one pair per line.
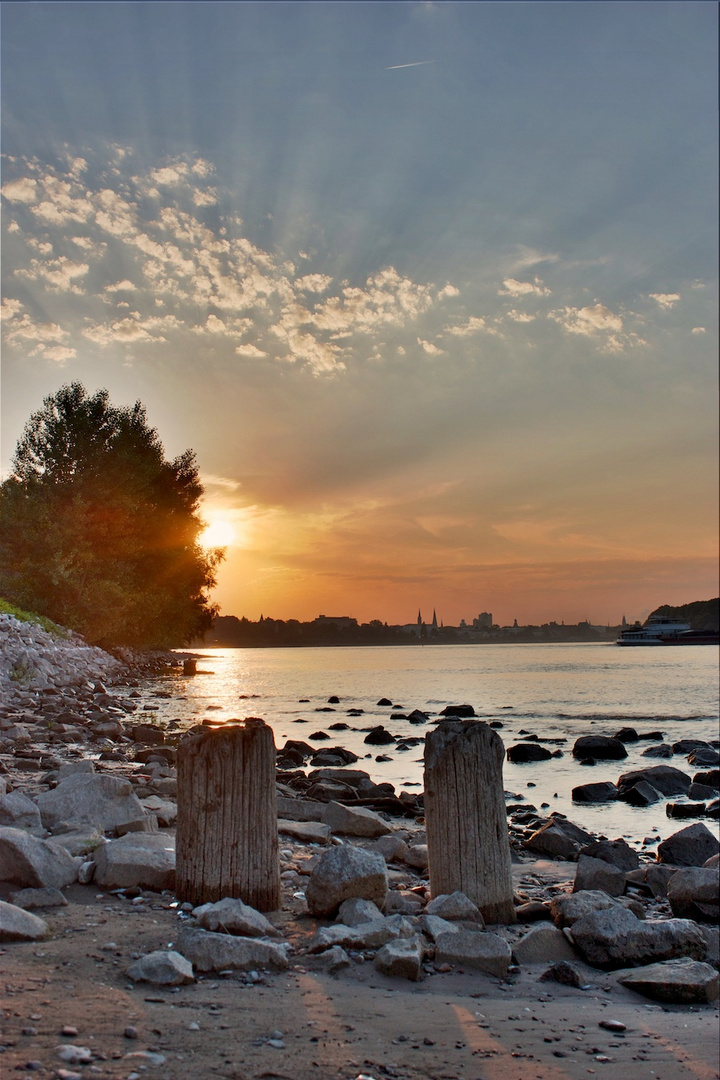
612, 963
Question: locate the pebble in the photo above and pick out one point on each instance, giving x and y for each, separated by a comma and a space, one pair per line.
612, 1025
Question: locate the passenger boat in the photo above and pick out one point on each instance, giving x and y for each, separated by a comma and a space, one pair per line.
664, 630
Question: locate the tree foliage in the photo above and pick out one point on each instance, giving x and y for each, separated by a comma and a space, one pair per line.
99, 532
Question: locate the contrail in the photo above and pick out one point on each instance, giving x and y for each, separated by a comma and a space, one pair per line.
396, 67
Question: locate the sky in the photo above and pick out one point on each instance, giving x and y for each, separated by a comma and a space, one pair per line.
430, 288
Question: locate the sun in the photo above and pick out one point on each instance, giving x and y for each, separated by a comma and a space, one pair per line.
218, 533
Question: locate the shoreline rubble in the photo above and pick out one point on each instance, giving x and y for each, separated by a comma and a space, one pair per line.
88, 801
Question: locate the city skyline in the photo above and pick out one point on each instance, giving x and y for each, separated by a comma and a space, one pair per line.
430, 288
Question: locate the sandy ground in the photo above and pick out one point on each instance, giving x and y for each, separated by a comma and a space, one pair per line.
357, 1025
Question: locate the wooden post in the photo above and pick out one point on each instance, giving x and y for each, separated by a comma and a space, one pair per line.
227, 834
465, 819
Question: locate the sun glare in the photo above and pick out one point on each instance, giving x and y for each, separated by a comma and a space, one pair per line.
219, 533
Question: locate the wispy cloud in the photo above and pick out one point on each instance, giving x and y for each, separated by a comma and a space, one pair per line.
415, 63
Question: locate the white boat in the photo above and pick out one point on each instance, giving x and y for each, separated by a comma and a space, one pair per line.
657, 630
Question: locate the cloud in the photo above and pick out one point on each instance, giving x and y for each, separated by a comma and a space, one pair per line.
429, 348
698, 330
9, 308
587, 320
313, 282
512, 287
519, 316
527, 257
23, 190
60, 273
666, 300
131, 330
59, 353
251, 351
474, 325
448, 291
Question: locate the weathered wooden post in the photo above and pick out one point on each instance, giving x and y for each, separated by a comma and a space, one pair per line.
465, 819
227, 835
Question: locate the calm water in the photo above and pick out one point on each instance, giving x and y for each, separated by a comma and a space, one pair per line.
554, 691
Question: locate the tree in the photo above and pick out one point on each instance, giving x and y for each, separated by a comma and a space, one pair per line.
99, 532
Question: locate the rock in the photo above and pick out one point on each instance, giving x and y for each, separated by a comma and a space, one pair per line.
346, 872
665, 778
207, 951
146, 860
299, 809
370, 935
433, 926
558, 838
533, 911
355, 912
28, 861
691, 846
640, 794
165, 810
335, 960
401, 959
616, 852
232, 916
568, 909
457, 710
704, 756
626, 735
417, 856
37, 899
403, 902
604, 791
392, 848
565, 973
417, 716
527, 751
305, 832
542, 944
101, 800
680, 982
455, 907
378, 736
598, 875
693, 893
660, 751
599, 747
354, 821
686, 810
616, 938
19, 925
652, 880
162, 968
80, 841
475, 949
19, 812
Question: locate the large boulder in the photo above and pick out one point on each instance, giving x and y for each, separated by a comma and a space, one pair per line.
558, 838
693, 893
164, 967
691, 846
19, 812
354, 821
475, 949
598, 875
569, 908
345, 872
665, 778
680, 982
401, 959
143, 860
616, 938
599, 747
527, 751
33, 863
601, 792
231, 916
455, 907
19, 925
107, 801
616, 852
207, 951
542, 944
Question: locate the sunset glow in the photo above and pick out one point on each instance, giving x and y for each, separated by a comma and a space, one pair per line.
431, 289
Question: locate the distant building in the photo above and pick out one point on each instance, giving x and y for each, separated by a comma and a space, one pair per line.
484, 621
343, 622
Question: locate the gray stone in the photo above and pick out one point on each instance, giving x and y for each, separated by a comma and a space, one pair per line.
36, 899
652, 880
146, 860
475, 949
165, 967
666, 778
19, 812
401, 959
403, 902
101, 800
356, 912
565, 973
616, 938
231, 916
346, 872
165, 810
640, 794
417, 856
82, 841
691, 846
604, 791
433, 926
551, 839
19, 925
542, 944
355, 821
680, 982
371, 935
208, 951
599, 876
455, 907
616, 852
335, 960
694, 893
600, 747
299, 809
568, 909
33, 863
392, 848
305, 832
